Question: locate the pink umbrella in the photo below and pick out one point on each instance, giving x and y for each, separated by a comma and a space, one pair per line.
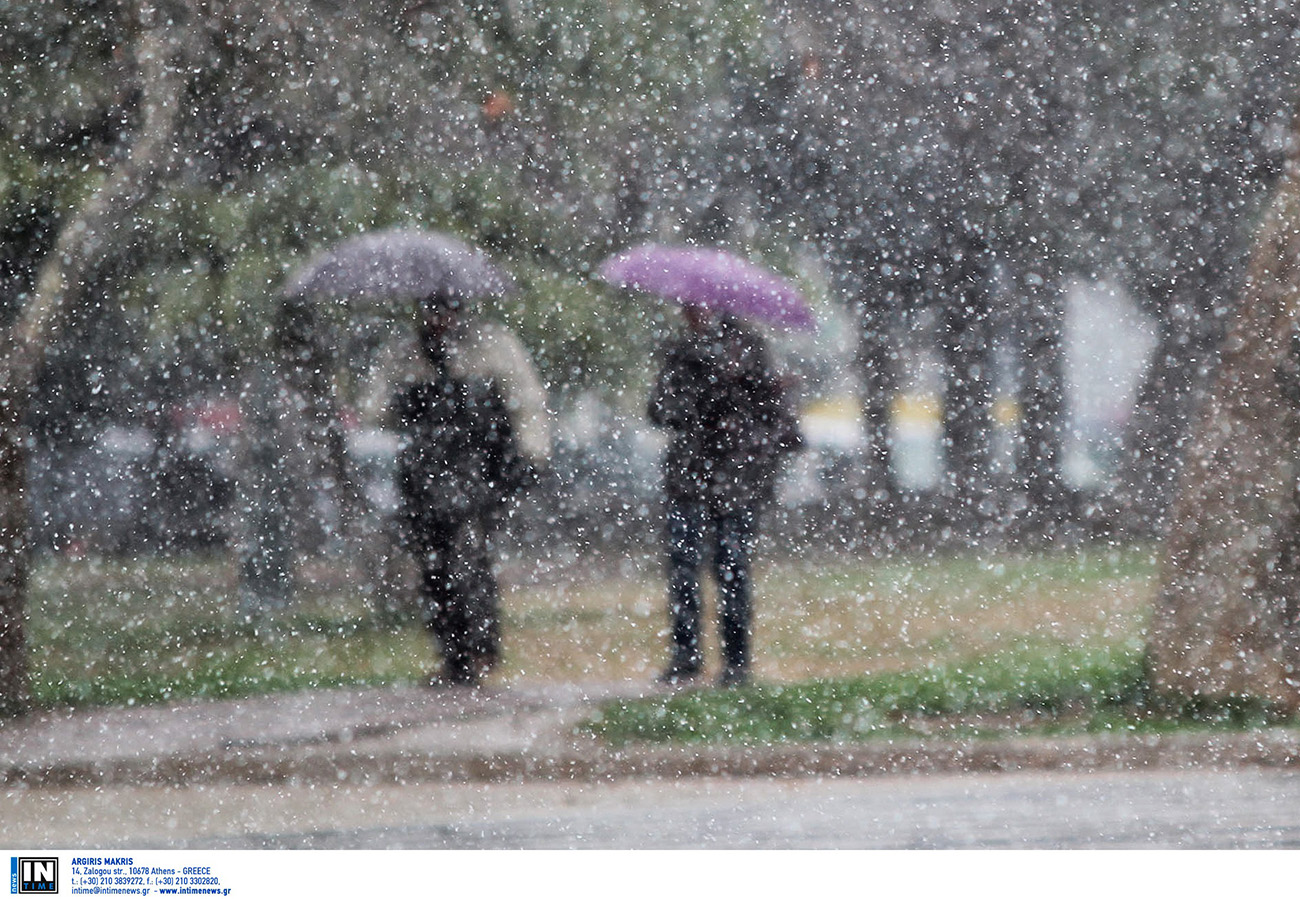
712, 278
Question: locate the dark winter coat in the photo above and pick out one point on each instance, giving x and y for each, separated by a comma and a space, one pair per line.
729, 416
460, 463
471, 413
477, 351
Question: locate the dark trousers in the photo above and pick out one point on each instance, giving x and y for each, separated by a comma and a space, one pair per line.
459, 597
692, 530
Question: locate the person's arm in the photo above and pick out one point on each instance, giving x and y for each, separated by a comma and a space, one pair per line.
673, 401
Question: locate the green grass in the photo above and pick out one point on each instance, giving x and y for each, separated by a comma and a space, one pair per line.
108, 632
1011, 690
847, 648
1028, 690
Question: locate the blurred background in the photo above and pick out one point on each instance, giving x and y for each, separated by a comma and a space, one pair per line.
1022, 230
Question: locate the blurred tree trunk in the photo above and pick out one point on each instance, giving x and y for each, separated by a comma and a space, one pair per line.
1042, 397
1192, 327
877, 373
89, 240
266, 546
1225, 624
1171, 392
1214, 247
875, 299
967, 347
14, 694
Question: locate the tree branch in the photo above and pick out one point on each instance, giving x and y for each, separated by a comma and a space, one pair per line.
102, 226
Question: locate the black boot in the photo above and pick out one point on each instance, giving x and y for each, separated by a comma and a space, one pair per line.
682, 669
733, 676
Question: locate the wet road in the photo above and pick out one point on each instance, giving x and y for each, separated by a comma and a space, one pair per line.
1164, 809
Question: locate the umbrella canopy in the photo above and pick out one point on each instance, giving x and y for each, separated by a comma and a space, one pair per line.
399, 264
712, 278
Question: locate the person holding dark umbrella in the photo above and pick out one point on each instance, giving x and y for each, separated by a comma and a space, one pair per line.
471, 412
731, 426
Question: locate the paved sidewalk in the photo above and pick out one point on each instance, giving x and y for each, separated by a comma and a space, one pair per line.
516, 733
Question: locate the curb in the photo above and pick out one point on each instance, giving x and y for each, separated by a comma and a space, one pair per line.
338, 763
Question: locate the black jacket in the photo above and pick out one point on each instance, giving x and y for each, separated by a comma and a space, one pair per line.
729, 416
460, 463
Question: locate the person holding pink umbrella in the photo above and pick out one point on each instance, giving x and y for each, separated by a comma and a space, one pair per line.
731, 427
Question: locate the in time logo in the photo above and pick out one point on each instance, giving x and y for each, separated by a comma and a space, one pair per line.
33, 875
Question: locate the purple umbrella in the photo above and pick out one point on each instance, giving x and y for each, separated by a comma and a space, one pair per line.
712, 278
396, 265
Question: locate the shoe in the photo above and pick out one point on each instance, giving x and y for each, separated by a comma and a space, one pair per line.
733, 677
675, 675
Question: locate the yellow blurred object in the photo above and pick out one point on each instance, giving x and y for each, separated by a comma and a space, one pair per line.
916, 408
1006, 411
843, 406
911, 408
